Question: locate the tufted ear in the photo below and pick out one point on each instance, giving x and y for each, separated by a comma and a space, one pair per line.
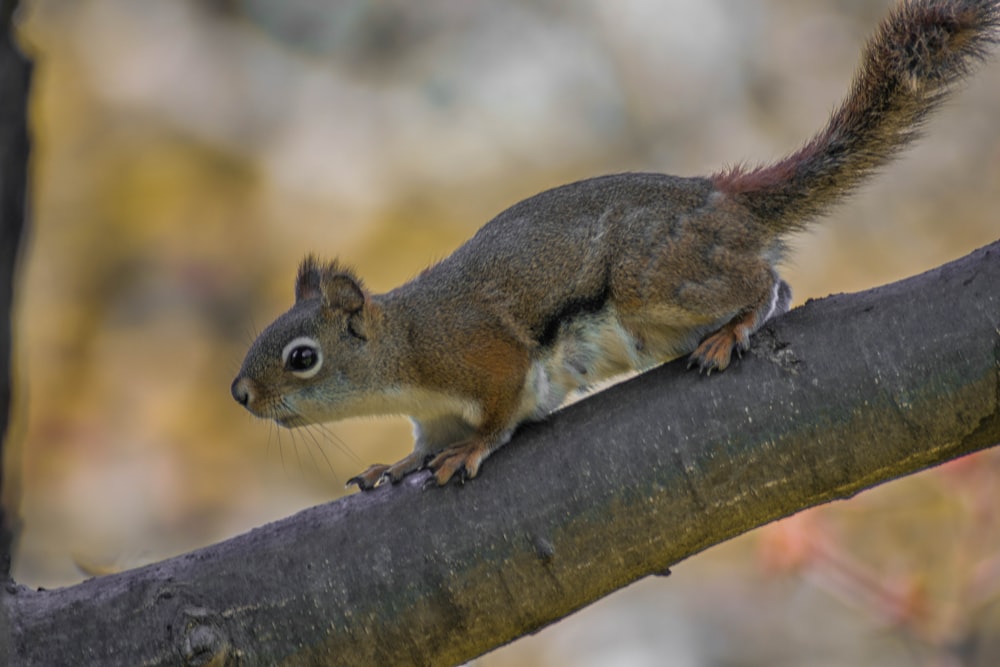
307, 282
336, 285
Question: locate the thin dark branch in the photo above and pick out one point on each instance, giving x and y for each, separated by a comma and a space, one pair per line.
835, 397
15, 76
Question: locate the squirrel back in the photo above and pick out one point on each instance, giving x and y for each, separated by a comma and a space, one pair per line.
915, 58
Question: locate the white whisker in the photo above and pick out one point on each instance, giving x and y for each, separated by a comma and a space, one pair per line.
338, 442
311, 433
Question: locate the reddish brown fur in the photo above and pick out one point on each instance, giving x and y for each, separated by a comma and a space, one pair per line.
919, 52
739, 180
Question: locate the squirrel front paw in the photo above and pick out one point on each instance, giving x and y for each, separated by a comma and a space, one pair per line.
463, 458
370, 478
379, 474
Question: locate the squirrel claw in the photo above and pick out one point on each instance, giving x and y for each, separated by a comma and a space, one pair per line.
433, 483
370, 478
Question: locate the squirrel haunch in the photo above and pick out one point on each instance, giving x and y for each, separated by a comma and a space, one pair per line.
593, 279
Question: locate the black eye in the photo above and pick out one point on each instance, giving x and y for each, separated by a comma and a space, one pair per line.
301, 358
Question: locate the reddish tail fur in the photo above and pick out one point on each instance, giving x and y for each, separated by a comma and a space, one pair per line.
921, 50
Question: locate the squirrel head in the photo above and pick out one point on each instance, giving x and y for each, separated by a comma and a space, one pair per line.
311, 363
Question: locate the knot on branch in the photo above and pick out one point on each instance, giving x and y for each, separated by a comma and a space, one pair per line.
203, 641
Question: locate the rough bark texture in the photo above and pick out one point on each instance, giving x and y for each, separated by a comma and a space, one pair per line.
839, 395
15, 74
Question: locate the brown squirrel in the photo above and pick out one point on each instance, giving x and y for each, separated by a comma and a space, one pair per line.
596, 278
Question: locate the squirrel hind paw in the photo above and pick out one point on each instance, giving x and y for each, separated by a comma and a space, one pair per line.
716, 351
714, 354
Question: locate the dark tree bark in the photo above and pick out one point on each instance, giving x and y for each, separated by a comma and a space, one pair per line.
15, 75
834, 397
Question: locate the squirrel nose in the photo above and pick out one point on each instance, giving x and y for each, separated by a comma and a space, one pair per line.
241, 391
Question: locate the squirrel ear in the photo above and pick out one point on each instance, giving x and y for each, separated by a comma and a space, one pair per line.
342, 291
308, 281
336, 285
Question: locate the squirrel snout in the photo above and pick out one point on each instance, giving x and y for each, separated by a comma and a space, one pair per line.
241, 391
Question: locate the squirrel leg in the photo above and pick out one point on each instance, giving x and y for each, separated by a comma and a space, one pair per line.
499, 368
466, 456
715, 351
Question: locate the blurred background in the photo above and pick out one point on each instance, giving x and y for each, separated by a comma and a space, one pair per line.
188, 154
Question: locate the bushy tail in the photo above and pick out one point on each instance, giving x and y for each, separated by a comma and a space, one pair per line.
921, 50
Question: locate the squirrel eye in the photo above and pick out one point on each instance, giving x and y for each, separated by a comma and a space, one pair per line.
302, 357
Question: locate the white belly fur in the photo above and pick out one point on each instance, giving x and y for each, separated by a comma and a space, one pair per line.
588, 349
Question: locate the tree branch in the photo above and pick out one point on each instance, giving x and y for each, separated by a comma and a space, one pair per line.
836, 396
